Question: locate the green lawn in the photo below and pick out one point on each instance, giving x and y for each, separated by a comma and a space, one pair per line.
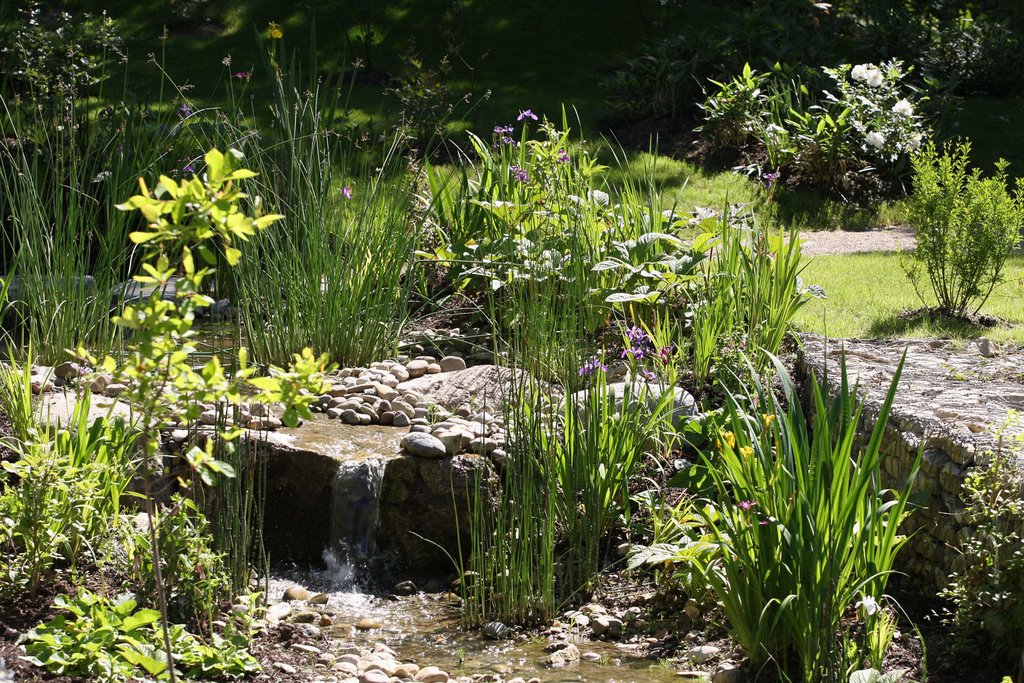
867, 293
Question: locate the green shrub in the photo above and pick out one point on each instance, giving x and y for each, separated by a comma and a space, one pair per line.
965, 225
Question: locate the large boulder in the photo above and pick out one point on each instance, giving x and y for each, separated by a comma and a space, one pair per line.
620, 394
425, 509
483, 387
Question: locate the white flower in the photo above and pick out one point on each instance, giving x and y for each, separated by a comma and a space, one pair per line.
874, 78
915, 141
598, 197
904, 108
875, 139
860, 72
867, 606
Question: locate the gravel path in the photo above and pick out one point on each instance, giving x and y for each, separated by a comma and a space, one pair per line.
891, 238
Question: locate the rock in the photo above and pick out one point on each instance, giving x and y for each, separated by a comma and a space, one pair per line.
318, 599
452, 364
349, 417
305, 617
374, 676
485, 386
568, 654
605, 626
590, 656
430, 674
399, 372
432, 499
728, 672
114, 390
308, 649
692, 609
404, 588
482, 446
68, 370
400, 419
278, 611
424, 445
495, 630
433, 369
417, 368
452, 441
407, 670
386, 392
683, 405
286, 668
325, 621
368, 623
296, 593
986, 347
702, 653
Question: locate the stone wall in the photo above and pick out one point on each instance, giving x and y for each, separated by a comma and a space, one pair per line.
951, 398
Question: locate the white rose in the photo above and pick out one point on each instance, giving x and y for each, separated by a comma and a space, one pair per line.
903, 108
875, 139
860, 72
874, 78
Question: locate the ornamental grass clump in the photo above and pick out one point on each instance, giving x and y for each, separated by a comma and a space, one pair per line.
804, 527
966, 226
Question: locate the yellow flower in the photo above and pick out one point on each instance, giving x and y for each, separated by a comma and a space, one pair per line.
274, 31
746, 451
768, 418
730, 439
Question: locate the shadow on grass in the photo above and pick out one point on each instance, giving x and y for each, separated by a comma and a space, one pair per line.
932, 323
814, 211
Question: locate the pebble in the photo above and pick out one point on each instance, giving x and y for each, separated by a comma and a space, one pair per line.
296, 593
400, 419
417, 368
569, 653
279, 611
590, 656
368, 624
692, 609
728, 672
286, 668
318, 599
374, 676
115, 390
309, 649
430, 674
702, 653
423, 445
605, 626
452, 364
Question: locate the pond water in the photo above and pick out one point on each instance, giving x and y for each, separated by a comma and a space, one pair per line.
425, 628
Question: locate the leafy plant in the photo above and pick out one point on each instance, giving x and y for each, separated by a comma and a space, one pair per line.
876, 676
987, 602
62, 495
733, 112
966, 227
802, 523
115, 640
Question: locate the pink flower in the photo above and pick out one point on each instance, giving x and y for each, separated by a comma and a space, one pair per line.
346, 192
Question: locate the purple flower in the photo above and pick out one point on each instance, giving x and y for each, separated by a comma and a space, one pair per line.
592, 366
563, 158
241, 75
665, 353
745, 505
520, 173
648, 375
770, 178
526, 114
185, 111
188, 170
346, 192
638, 344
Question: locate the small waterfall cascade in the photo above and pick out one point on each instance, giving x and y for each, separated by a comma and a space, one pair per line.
355, 499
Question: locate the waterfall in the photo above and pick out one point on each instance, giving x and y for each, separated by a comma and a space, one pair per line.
355, 498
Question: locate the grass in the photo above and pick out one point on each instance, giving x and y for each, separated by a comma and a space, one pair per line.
868, 292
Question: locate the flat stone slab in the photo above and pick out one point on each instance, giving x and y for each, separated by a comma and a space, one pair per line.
948, 387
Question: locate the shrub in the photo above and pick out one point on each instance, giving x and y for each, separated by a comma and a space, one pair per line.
965, 225
732, 112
